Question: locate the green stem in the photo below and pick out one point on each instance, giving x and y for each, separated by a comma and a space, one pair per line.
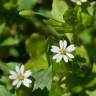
76, 29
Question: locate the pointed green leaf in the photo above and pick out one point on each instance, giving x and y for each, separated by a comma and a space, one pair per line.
59, 7
4, 91
43, 79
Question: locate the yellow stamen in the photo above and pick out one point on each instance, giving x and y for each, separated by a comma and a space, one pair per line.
20, 76
62, 52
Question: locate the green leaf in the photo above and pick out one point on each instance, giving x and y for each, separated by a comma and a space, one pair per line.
9, 42
94, 68
59, 26
26, 13
4, 91
91, 93
82, 53
26, 4
59, 7
8, 5
36, 45
6, 67
5, 80
12, 65
91, 8
92, 82
70, 17
2, 28
85, 36
86, 19
36, 64
43, 79
57, 90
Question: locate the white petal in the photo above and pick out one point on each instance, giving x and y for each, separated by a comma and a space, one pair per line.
22, 69
65, 44
56, 56
12, 77
27, 82
27, 73
73, 0
59, 58
78, 3
61, 44
15, 82
83, 0
17, 69
55, 49
12, 72
19, 84
69, 55
65, 58
70, 48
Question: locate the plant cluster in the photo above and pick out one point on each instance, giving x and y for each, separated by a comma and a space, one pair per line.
48, 48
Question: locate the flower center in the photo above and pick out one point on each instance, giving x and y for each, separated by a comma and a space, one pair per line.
63, 52
20, 76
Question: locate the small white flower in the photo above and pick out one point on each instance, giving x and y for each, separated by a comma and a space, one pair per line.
79, 2
20, 76
63, 52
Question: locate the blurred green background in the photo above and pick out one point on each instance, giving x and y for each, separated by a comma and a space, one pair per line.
26, 27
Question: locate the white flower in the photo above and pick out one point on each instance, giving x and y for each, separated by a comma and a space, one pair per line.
63, 52
79, 2
20, 76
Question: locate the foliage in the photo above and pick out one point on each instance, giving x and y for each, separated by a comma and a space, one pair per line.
29, 28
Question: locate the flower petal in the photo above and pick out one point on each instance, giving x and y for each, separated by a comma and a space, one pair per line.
27, 82
70, 48
59, 58
65, 58
27, 73
55, 49
55, 56
17, 69
22, 69
15, 82
65, 44
61, 44
78, 3
19, 84
12, 72
12, 77
83, 0
69, 55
